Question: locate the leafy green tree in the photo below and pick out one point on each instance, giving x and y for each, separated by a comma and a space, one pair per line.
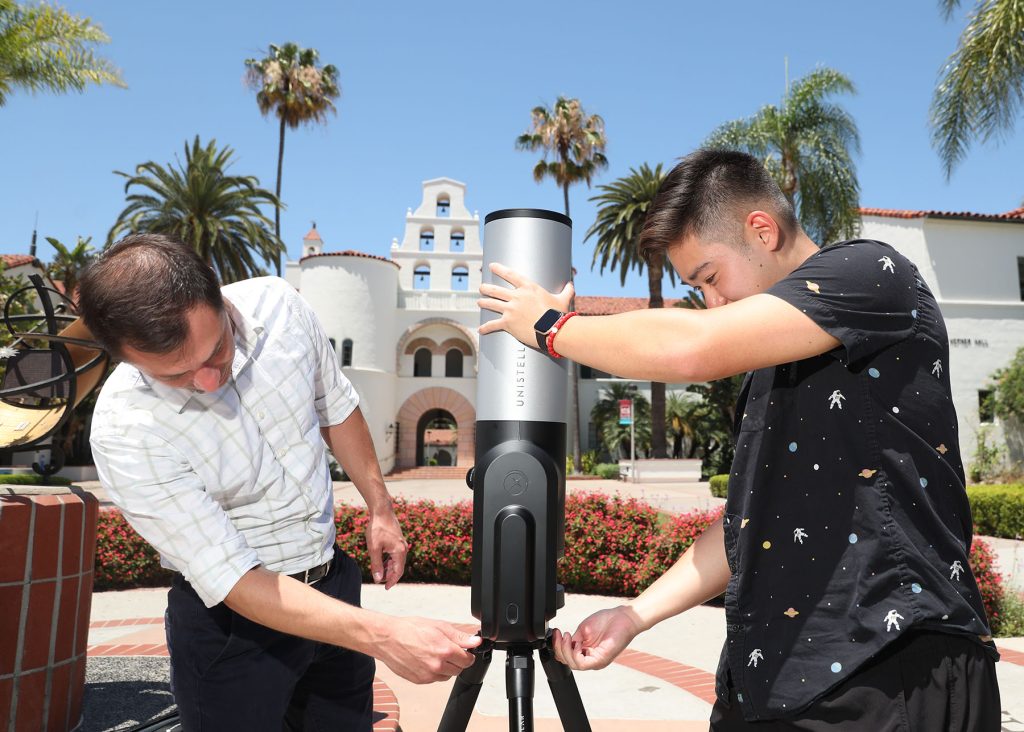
683, 416
69, 263
622, 208
576, 142
982, 84
615, 436
290, 85
45, 48
217, 214
22, 305
1008, 405
807, 143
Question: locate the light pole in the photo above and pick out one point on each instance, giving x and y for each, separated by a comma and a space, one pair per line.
632, 432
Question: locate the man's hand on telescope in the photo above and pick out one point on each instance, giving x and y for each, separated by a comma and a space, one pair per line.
423, 651
598, 640
521, 305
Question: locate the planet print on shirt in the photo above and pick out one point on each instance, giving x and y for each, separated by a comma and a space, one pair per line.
866, 473
792, 612
813, 287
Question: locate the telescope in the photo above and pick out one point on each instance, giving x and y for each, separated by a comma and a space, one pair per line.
518, 483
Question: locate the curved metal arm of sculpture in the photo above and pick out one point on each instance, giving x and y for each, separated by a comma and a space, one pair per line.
42, 386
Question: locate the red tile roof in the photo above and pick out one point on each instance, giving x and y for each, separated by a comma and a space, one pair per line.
16, 260
349, 253
312, 235
595, 305
1017, 215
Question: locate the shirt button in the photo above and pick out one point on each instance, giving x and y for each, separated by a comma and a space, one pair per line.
260, 415
282, 452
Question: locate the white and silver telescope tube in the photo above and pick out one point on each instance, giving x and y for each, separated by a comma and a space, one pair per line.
519, 474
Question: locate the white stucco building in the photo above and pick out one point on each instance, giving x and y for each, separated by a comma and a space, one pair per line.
405, 326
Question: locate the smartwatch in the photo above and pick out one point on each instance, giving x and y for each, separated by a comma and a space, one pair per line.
543, 326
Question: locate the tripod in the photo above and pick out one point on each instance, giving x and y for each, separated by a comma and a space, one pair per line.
519, 683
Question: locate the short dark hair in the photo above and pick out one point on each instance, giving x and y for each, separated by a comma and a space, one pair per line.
138, 293
705, 195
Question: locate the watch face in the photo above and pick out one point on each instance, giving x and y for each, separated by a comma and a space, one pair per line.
546, 321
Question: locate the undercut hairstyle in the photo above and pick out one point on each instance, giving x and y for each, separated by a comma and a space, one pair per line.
139, 291
708, 195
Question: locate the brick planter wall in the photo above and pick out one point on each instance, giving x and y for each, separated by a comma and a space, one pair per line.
47, 549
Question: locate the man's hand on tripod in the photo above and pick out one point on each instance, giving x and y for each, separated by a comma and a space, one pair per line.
598, 640
423, 651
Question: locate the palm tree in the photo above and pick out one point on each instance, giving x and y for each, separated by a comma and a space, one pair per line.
217, 214
807, 144
605, 416
69, 263
577, 142
44, 47
623, 208
982, 84
290, 85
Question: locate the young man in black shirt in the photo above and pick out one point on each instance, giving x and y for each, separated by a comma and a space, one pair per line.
843, 551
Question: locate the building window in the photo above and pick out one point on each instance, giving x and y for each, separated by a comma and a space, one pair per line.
453, 363
986, 406
443, 207
460, 277
346, 352
334, 345
1020, 275
587, 372
458, 241
421, 362
421, 277
426, 241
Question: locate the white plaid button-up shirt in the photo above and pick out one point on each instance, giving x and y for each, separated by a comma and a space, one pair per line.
222, 482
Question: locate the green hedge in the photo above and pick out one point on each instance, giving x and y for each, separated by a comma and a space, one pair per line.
32, 479
998, 510
608, 471
719, 485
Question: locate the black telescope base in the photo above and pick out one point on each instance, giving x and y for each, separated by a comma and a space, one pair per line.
519, 683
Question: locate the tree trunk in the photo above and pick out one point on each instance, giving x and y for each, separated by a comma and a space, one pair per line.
574, 378
655, 273
277, 192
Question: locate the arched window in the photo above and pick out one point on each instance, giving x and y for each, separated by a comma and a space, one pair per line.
421, 277
458, 241
346, 352
460, 277
426, 241
443, 206
421, 362
453, 363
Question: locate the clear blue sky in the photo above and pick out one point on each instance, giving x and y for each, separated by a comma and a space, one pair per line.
443, 89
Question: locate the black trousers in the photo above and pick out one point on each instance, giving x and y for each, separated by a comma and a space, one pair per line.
229, 673
925, 682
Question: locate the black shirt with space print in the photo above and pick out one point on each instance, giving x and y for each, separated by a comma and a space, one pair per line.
847, 523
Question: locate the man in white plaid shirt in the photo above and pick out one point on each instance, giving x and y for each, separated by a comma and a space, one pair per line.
210, 437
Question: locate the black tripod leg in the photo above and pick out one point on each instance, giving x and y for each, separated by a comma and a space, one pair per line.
463, 696
519, 689
566, 695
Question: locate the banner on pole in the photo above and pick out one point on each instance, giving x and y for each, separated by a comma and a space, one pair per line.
625, 411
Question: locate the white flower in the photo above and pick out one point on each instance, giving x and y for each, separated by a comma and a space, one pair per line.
7, 352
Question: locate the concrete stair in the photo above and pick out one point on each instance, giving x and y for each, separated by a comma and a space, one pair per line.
430, 472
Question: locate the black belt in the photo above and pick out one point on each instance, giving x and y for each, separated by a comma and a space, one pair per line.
311, 576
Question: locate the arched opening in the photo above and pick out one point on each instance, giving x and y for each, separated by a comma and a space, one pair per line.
427, 240
453, 363
458, 243
443, 205
421, 362
346, 352
460, 277
437, 438
421, 277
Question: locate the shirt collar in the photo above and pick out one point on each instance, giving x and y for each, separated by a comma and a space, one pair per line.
249, 337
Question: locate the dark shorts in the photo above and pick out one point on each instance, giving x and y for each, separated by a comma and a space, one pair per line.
925, 682
229, 673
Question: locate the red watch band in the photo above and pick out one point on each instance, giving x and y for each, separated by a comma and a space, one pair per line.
550, 340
